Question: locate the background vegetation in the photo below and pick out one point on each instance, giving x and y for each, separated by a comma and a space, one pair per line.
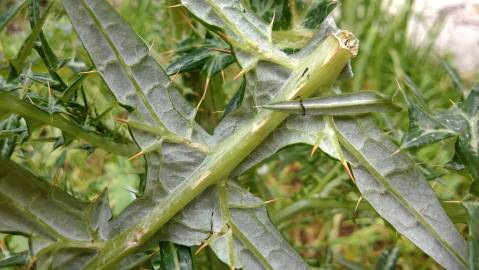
313, 201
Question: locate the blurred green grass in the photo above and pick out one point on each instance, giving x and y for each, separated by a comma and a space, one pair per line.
314, 200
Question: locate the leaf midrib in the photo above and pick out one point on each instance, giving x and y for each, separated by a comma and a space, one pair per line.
124, 65
395, 193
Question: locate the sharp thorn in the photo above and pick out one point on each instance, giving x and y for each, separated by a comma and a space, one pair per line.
203, 246
348, 170
204, 93
271, 201
313, 150
221, 50
137, 155
151, 46
396, 152
357, 205
88, 72
225, 37
121, 120
243, 71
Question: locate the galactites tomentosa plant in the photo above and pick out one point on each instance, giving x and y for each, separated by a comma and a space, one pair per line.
190, 196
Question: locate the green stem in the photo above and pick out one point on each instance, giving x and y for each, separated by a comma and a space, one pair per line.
313, 204
69, 244
15, 105
324, 65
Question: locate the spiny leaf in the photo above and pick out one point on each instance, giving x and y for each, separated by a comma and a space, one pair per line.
46, 53
217, 63
473, 222
6, 17
71, 90
26, 48
250, 36
209, 55
236, 100
189, 62
131, 73
13, 131
460, 120
467, 145
208, 60
56, 222
391, 181
388, 181
453, 74
424, 127
318, 13
46, 80
14, 104
279, 12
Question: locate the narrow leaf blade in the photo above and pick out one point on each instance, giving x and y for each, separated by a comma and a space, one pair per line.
6, 17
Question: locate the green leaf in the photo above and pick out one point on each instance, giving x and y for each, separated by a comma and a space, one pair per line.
467, 145
189, 62
6, 17
175, 257
46, 53
318, 13
19, 62
24, 108
279, 10
424, 127
14, 260
236, 100
217, 63
71, 90
393, 185
345, 104
388, 259
453, 74
473, 222
461, 120
56, 223
13, 131
46, 80
251, 37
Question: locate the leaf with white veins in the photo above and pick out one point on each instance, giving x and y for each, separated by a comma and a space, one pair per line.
178, 151
56, 222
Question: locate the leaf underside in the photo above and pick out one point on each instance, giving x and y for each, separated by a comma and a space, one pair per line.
232, 221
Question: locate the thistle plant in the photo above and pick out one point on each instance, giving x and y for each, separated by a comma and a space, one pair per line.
190, 196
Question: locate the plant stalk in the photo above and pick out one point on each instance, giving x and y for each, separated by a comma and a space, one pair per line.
15, 105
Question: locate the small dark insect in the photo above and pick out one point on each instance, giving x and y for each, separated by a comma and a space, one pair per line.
304, 72
303, 109
211, 221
